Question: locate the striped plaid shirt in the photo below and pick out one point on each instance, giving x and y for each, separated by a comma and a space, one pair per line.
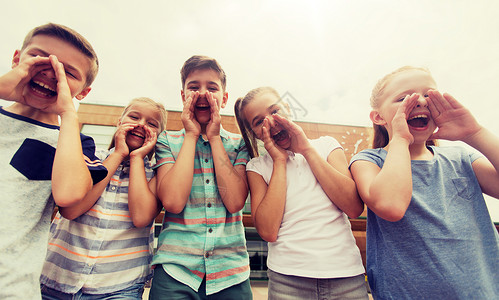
101, 251
204, 239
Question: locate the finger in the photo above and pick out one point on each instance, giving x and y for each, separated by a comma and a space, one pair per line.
438, 101
60, 75
266, 133
284, 122
194, 100
408, 104
452, 101
213, 103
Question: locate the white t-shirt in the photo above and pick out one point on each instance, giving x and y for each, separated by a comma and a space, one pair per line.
315, 239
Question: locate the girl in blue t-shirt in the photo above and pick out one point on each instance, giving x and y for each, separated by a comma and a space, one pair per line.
429, 233
102, 247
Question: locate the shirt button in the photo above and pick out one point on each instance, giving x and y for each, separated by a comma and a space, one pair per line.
113, 188
207, 181
205, 143
209, 204
207, 254
210, 230
205, 160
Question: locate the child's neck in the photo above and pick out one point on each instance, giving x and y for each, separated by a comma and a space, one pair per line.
33, 113
420, 152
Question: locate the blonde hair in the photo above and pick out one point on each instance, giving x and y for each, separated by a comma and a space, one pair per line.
381, 137
72, 37
245, 128
163, 116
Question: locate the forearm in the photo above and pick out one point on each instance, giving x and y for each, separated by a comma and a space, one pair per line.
270, 211
233, 187
111, 163
391, 190
142, 202
339, 188
71, 178
174, 186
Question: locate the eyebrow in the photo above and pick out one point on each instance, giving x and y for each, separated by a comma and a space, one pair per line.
197, 82
268, 108
67, 66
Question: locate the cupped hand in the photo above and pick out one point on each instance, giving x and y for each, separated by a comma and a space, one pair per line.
13, 82
213, 127
276, 152
148, 145
400, 128
299, 141
453, 120
64, 103
188, 116
120, 145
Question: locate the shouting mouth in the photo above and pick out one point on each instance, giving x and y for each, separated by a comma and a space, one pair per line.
280, 136
42, 89
418, 121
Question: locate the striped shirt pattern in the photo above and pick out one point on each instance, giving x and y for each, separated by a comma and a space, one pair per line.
204, 239
100, 251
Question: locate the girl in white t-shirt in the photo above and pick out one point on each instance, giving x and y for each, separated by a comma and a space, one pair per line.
301, 197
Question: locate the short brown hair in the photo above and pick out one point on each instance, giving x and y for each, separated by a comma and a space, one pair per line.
200, 62
72, 37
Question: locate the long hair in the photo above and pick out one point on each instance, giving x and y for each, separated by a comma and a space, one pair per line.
244, 126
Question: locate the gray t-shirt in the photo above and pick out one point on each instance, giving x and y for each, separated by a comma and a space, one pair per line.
445, 246
28, 150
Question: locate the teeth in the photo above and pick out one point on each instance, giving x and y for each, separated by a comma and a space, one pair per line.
418, 116
44, 85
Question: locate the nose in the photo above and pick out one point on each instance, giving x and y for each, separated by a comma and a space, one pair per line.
422, 102
271, 121
49, 73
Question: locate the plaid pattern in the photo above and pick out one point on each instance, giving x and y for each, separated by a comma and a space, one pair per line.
204, 239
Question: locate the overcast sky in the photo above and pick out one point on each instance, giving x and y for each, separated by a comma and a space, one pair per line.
326, 54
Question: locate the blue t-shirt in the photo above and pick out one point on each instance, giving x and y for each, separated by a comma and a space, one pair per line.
445, 246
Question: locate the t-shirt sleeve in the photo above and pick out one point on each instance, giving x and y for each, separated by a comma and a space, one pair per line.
374, 156
163, 151
97, 170
242, 157
327, 144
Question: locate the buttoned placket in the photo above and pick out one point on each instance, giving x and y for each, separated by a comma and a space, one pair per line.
210, 209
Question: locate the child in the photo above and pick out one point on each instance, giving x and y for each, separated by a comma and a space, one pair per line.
202, 186
429, 233
41, 160
301, 194
116, 216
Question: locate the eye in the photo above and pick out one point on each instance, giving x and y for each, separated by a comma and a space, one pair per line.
153, 124
426, 95
258, 122
275, 111
133, 117
193, 88
71, 74
213, 89
400, 99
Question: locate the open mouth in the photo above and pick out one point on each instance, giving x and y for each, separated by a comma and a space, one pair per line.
280, 136
203, 107
42, 89
137, 134
418, 121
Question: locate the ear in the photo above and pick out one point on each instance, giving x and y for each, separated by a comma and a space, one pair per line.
83, 93
377, 118
182, 94
224, 99
16, 58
